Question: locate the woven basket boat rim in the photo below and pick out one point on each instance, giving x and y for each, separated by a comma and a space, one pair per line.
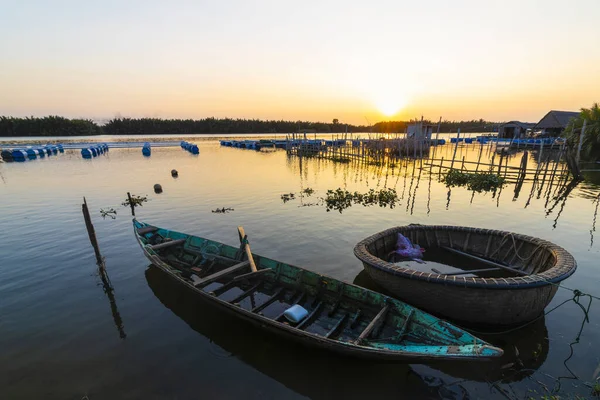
564, 267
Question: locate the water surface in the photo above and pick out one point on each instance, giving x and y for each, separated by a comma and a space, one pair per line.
62, 336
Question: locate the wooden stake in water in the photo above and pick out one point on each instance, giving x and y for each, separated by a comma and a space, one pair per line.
131, 204
455, 148
91, 232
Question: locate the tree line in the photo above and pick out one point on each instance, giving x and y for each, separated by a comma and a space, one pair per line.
48, 126
60, 126
145, 126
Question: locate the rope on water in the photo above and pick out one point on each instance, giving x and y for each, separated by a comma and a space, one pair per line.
575, 299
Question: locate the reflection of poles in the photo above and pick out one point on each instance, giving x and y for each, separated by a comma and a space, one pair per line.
415, 192
412, 180
597, 201
522, 175
429, 187
109, 290
563, 195
106, 284
552, 176
544, 177
404, 185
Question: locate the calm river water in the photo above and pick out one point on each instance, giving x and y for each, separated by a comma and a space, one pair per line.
62, 336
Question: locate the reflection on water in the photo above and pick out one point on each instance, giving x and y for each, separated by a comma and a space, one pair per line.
549, 181
312, 373
110, 293
525, 350
56, 322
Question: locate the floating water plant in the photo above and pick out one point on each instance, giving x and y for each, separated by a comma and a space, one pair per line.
343, 160
222, 210
340, 199
111, 212
308, 191
135, 201
476, 181
287, 197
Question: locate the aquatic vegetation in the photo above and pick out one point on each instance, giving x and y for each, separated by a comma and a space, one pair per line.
111, 212
287, 197
223, 210
135, 201
476, 181
308, 191
343, 160
341, 199
596, 389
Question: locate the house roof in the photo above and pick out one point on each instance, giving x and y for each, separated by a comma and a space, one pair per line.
556, 119
514, 124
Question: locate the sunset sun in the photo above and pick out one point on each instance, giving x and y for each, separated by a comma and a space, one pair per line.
390, 105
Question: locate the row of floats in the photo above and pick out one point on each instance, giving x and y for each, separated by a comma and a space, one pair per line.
486, 139
31, 153
191, 147
249, 144
94, 150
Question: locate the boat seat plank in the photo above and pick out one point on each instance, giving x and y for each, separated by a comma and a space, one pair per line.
211, 278
209, 256
465, 272
310, 316
404, 327
165, 245
146, 229
250, 275
270, 300
245, 294
226, 287
486, 261
336, 326
380, 317
355, 318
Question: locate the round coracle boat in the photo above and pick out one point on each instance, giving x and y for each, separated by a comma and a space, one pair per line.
520, 277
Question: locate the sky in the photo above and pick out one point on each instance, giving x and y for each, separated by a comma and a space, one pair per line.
357, 61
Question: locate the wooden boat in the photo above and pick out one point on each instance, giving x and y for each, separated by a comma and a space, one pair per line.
520, 277
294, 366
341, 317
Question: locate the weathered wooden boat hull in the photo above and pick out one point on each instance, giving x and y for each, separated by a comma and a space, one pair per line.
472, 300
461, 345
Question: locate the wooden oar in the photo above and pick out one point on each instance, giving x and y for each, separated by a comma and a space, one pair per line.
244, 241
483, 260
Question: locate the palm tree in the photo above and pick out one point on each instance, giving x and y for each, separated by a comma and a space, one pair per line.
590, 149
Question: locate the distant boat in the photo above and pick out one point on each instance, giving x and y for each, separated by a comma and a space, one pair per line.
338, 316
507, 279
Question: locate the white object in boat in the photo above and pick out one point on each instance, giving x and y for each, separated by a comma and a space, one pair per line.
295, 313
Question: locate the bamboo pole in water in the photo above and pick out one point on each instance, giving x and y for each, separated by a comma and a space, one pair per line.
130, 204
455, 147
91, 231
